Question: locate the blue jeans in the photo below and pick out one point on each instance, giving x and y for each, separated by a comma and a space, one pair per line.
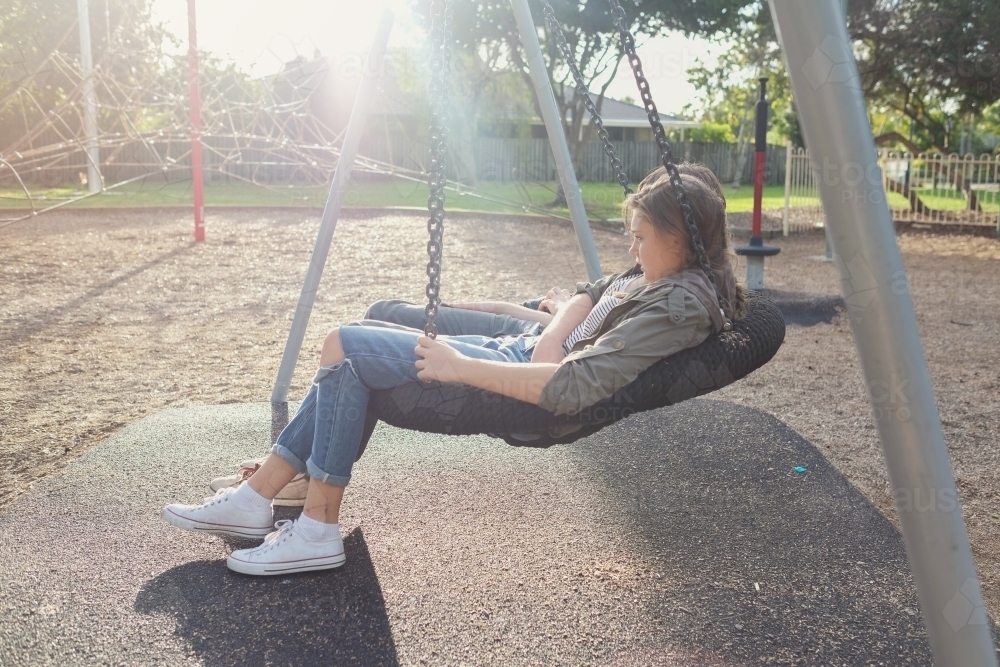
324, 436
452, 321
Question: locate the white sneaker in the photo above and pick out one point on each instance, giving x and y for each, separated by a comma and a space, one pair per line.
293, 495
220, 515
285, 551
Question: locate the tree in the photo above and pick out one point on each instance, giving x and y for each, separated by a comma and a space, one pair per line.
932, 64
39, 51
486, 29
932, 61
989, 140
928, 68
710, 132
728, 92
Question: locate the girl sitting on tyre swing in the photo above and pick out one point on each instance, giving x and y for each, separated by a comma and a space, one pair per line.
592, 345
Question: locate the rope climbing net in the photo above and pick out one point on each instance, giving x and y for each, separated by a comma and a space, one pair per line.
260, 131
267, 131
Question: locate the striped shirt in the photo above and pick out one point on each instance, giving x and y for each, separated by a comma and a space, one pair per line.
597, 314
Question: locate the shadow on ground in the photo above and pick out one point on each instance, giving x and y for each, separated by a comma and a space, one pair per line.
806, 309
322, 618
680, 536
765, 562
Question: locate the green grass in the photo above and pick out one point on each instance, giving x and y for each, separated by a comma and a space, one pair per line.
601, 199
168, 194
947, 200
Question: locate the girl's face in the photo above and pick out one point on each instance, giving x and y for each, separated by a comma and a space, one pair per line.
660, 254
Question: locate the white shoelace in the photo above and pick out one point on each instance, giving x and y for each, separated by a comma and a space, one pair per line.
220, 496
283, 530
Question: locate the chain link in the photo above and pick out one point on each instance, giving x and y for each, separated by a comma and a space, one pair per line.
666, 153
582, 90
440, 65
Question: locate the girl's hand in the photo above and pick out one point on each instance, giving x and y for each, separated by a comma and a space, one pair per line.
555, 298
438, 361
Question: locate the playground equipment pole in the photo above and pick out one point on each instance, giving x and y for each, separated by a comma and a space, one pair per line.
785, 218
831, 106
197, 178
756, 251
557, 136
827, 242
328, 223
760, 155
93, 151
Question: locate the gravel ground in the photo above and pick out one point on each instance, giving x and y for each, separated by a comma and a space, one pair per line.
108, 316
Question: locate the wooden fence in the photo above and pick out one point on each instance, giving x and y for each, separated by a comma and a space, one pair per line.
532, 160
265, 162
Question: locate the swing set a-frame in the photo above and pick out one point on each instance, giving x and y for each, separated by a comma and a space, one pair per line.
831, 107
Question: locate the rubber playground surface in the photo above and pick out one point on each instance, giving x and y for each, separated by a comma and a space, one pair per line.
679, 537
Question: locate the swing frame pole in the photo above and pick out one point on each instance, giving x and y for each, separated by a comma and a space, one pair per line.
557, 136
91, 148
194, 104
331, 211
831, 106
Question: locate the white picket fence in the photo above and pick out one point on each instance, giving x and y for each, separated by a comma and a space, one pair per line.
803, 210
933, 189
943, 189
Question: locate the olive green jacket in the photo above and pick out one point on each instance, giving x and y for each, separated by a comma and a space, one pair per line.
652, 322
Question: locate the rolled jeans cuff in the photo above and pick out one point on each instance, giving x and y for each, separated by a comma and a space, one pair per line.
316, 473
288, 457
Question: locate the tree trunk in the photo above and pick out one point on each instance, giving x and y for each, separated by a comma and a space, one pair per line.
971, 200
916, 204
957, 179
741, 146
467, 174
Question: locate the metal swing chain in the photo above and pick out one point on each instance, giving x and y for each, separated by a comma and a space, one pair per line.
441, 14
666, 153
581, 87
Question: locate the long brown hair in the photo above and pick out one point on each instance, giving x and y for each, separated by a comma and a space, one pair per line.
655, 199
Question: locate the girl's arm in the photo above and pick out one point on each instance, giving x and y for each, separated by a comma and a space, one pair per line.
501, 308
525, 382
549, 348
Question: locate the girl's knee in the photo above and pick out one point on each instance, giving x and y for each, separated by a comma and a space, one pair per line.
333, 351
377, 310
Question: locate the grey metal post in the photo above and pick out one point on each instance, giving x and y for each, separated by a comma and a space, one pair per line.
328, 223
787, 213
93, 151
557, 137
828, 243
831, 108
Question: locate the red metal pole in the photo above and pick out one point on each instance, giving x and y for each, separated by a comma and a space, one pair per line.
756, 251
760, 151
197, 178
758, 189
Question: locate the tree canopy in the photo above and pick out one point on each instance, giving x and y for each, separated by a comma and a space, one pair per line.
485, 30
39, 52
936, 62
928, 68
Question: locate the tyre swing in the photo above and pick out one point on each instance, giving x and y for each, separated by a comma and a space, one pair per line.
455, 409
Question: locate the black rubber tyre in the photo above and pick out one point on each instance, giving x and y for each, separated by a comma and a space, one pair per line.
456, 409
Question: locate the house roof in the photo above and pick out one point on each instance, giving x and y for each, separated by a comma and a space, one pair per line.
623, 114
614, 113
